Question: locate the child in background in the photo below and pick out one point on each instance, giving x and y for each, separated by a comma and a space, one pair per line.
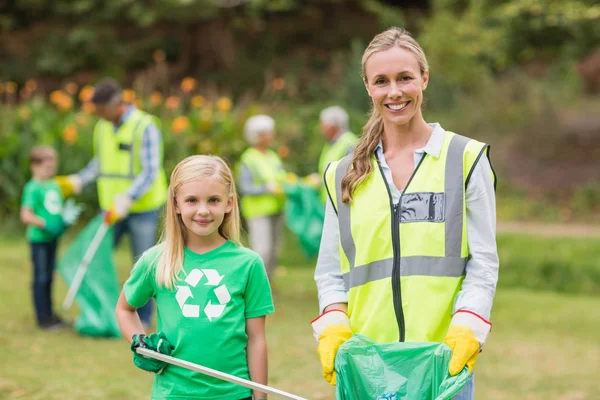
212, 294
46, 217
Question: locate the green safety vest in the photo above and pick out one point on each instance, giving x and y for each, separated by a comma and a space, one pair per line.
334, 152
265, 168
404, 265
118, 154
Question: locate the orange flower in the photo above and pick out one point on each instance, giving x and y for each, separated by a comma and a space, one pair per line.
172, 102
283, 151
139, 103
61, 100
179, 125
197, 101
129, 96
86, 93
71, 88
70, 134
159, 56
224, 104
31, 85
155, 99
188, 84
278, 83
10, 87
88, 107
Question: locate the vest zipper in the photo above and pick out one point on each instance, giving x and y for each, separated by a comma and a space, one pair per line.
396, 218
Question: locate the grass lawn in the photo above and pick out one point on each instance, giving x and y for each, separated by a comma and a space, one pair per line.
544, 345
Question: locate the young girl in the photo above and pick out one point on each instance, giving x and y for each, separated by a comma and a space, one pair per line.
211, 293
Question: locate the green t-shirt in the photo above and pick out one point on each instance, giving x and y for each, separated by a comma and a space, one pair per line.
46, 201
204, 317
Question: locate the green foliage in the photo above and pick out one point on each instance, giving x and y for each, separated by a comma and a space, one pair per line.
561, 264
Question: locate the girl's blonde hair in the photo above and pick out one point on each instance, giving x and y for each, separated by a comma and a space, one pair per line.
361, 165
174, 235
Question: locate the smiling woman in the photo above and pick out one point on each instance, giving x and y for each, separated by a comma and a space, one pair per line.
427, 196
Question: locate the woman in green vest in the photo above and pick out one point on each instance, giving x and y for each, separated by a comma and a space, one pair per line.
260, 176
408, 250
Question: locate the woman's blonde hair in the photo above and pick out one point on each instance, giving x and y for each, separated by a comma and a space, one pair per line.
361, 165
174, 235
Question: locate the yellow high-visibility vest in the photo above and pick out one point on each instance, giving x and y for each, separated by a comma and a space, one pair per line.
403, 264
118, 154
265, 168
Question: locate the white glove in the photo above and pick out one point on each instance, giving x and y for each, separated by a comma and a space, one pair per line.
76, 182
274, 188
121, 205
71, 212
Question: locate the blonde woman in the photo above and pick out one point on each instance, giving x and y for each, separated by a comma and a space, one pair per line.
260, 175
408, 250
212, 294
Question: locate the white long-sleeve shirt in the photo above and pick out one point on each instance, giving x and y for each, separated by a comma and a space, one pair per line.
479, 286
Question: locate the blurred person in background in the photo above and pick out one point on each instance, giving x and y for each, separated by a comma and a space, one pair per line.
47, 217
340, 142
128, 168
408, 251
260, 175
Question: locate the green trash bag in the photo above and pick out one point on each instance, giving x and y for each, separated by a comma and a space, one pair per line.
395, 371
304, 215
99, 291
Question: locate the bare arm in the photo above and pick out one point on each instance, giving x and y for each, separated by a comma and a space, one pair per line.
128, 319
337, 306
29, 218
257, 353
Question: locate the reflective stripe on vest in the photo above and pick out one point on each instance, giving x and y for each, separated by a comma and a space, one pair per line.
118, 154
427, 246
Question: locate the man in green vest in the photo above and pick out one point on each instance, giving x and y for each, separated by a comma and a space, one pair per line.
128, 169
340, 142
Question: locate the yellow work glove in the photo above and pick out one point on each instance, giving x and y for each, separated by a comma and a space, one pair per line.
329, 342
119, 210
331, 329
465, 348
68, 184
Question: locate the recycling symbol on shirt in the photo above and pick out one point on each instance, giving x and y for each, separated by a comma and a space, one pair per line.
213, 279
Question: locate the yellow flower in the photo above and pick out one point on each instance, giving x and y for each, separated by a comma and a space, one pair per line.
197, 101
70, 134
10, 87
159, 56
155, 99
71, 88
172, 102
128, 96
31, 85
206, 146
25, 113
86, 93
88, 107
188, 84
224, 104
179, 125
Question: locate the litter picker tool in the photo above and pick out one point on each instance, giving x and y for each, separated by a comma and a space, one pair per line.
217, 374
83, 265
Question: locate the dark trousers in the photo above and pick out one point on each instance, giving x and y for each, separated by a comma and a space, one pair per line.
43, 257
